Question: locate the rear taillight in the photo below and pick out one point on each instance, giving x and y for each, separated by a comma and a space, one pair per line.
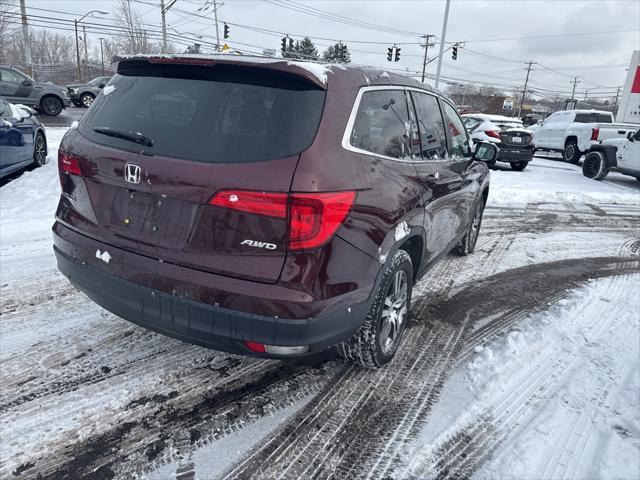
68, 164
492, 133
595, 132
261, 203
313, 217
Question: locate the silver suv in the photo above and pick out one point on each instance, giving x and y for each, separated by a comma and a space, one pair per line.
16, 87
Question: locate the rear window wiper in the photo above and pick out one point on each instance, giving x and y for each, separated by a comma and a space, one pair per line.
134, 137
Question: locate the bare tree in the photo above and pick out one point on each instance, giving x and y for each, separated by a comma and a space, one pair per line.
8, 26
135, 38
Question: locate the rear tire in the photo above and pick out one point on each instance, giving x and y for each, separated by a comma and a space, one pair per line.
468, 243
595, 166
87, 99
571, 153
377, 340
518, 166
51, 106
39, 150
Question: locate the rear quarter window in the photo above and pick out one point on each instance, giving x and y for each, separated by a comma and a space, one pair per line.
208, 114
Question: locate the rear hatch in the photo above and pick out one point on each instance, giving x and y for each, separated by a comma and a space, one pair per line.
516, 138
165, 138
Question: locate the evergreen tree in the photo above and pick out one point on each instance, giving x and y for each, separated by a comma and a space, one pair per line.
332, 54
306, 50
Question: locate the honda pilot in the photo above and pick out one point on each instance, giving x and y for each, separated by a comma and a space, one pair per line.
266, 207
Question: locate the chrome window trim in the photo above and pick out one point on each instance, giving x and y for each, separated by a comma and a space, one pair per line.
346, 136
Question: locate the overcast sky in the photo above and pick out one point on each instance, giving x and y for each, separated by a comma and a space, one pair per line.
494, 53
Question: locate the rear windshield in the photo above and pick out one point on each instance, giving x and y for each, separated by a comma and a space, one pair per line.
593, 118
216, 114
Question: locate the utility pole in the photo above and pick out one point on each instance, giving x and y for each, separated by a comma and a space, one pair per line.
164, 27
524, 90
75, 22
575, 83
426, 48
442, 39
101, 55
86, 54
25, 38
215, 16
584, 101
615, 102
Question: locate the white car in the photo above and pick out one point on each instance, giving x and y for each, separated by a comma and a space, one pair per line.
616, 154
509, 134
573, 132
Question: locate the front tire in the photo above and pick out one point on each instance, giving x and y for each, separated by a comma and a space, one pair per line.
467, 245
595, 166
87, 99
377, 340
39, 150
572, 153
518, 166
51, 106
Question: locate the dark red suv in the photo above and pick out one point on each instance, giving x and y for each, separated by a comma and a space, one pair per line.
265, 206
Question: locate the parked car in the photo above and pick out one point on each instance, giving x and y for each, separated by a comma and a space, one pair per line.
616, 154
573, 132
509, 134
84, 94
295, 218
23, 139
16, 87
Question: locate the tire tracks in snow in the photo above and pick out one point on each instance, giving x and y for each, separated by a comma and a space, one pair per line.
474, 443
358, 427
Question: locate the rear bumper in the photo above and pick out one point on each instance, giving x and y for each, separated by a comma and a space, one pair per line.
195, 321
511, 154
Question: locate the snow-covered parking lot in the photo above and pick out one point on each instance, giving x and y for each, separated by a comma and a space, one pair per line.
521, 361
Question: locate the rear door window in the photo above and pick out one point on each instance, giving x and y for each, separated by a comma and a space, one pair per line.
209, 114
431, 126
459, 142
382, 124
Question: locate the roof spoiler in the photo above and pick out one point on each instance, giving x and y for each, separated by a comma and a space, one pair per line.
315, 73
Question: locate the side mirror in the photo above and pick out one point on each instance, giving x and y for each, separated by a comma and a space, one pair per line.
486, 152
26, 83
630, 136
636, 137
101, 85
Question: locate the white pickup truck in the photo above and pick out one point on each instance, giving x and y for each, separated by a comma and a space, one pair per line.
573, 132
616, 154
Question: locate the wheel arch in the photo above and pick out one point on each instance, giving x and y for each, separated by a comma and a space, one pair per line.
609, 151
570, 139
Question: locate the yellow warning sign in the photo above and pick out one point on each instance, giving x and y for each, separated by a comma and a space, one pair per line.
226, 48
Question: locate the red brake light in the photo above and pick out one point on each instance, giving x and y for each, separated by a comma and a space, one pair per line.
315, 217
261, 203
493, 133
594, 133
69, 164
255, 346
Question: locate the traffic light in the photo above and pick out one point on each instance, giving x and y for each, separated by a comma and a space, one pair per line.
397, 57
389, 54
226, 31
454, 52
284, 44
291, 44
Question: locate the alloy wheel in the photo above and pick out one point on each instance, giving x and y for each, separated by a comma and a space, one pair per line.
41, 150
394, 312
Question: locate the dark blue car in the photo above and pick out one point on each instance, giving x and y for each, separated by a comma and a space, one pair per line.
22, 139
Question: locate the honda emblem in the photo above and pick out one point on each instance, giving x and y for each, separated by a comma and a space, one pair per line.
132, 173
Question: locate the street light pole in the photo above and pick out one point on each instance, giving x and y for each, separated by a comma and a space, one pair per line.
442, 38
75, 23
25, 37
86, 51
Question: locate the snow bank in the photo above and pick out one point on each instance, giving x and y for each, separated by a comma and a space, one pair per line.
550, 181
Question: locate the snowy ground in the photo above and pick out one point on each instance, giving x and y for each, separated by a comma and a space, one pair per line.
522, 361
